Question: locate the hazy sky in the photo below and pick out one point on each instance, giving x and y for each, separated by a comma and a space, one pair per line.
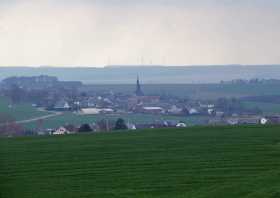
170, 32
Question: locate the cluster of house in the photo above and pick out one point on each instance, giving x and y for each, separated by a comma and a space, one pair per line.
52, 94
245, 120
108, 125
110, 103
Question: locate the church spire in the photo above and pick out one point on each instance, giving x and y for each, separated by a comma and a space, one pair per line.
138, 91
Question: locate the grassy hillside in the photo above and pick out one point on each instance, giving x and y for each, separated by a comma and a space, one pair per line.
194, 163
19, 111
265, 107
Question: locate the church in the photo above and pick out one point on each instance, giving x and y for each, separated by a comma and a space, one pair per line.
138, 91
140, 99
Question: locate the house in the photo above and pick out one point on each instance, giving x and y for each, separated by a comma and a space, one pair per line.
193, 111
210, 111
263, 121
131, 126
181, 125
206, 106
273, 119
90, 111
107, 111
71, 128
249, 120
220, 113
91, 102
175, 110
62, 106
153, 110
61, 131
170, 123
232, 121
136, 100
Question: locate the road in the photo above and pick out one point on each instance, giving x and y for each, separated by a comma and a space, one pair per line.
54, 114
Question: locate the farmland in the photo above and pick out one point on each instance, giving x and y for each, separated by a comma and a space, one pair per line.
265, 107
193, 162
19, 111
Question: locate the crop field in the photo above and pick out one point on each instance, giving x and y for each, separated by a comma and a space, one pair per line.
265, 107
197, 162
19, 111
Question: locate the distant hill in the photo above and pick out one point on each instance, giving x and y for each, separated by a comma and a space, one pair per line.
195, 162
149, 74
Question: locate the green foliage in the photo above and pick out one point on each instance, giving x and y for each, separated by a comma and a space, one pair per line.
193, 162
120, 124
85, 128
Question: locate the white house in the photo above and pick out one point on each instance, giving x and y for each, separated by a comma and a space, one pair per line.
62, 105
131, 126
193, 111
90, 111
175, 110
61, 131
155, 110
181, 125
263, 121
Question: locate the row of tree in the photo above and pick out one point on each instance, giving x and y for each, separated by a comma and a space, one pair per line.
119, 125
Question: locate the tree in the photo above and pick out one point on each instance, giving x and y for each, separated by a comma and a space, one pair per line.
120, 124
85, 128
16, 93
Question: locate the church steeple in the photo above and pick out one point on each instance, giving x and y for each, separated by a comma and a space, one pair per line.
138, 91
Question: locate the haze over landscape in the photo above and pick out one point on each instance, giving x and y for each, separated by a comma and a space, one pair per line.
122, 32
139, 98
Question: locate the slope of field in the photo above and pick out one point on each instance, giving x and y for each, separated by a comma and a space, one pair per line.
19, 111
194, 163
265, 107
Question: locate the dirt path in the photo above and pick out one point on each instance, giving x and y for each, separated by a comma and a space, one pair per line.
54, 114
39, 118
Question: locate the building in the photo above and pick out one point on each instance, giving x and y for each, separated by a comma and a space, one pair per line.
273, 119
90, 111
153, 110
138, 91
175, 110
249, 120
181, 125
62, 106
61, 131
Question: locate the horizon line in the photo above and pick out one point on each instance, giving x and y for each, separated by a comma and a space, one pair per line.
132, 65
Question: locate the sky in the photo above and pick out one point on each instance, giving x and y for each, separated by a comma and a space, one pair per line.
133, 32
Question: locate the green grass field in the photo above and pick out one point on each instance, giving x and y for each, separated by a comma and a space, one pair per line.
195, 91
194, 163
19, 111
266, 108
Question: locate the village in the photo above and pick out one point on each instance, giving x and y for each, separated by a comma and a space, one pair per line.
49, 94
